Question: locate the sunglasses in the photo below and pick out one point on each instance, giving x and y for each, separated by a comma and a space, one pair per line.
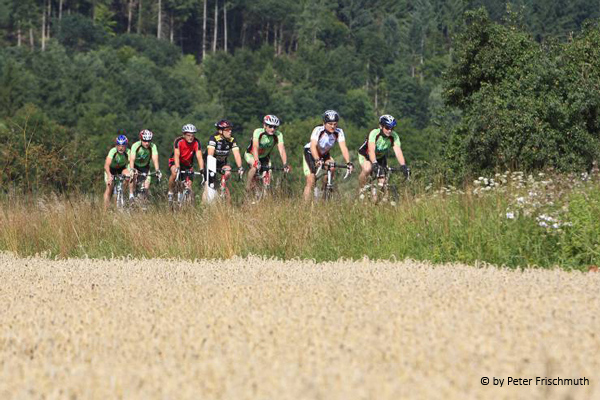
389, 128
271, 126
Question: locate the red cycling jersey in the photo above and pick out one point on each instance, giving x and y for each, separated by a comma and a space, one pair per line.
186, 151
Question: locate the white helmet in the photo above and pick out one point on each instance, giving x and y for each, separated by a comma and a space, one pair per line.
146, 135
271, 120
189, 128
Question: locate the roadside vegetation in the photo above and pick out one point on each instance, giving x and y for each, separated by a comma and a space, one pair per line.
510, 219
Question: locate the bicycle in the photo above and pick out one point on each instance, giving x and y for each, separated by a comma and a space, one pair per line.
380, 187
262, 181
223, 189
327, 190
183, 190
118, 181
140, 193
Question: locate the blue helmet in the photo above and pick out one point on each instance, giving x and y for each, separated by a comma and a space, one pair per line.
388, 121
122, 139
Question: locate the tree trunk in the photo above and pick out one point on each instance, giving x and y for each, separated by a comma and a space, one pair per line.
129, 15
60, 6
225, 26
139, 27
31, 42
275, 32
216, 26
44, 27
204, 31
19, 35
267, 33
171, 28
48, 21
159, 23
243, 39
280, 45
376, 94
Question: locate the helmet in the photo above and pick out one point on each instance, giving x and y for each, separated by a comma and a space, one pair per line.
223, 124
388, 121
331, 116
271, 120
121, 139
146, 135
189, 128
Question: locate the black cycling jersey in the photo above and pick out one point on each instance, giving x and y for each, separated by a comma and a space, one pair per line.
222, 146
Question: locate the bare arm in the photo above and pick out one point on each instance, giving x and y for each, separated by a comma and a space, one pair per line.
399, 154
344, 150
199, 156
176, 155
313, 149
255, 146
281, 148
371, 152
238, 158
155, 161
107, 166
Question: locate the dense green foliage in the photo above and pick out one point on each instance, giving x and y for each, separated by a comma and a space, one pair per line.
525, 107
519, 93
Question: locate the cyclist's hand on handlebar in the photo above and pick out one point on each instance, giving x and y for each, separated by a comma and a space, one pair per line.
286, 168
374, 168
405, 170
240, 172
256, 165
319, 163
158, 174
350, 166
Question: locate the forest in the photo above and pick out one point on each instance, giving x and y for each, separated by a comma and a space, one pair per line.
477, 86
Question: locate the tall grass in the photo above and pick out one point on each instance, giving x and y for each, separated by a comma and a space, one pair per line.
448, 225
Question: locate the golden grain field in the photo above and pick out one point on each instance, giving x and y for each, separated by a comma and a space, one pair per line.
264, 329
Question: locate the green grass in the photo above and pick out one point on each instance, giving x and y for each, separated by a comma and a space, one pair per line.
458, 227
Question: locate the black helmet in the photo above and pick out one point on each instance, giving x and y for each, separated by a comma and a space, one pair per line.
223, 124
331, 116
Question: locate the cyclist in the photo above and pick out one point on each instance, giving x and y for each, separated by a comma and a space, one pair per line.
185, 147
220, 145
116, 163
372, 155
316, 152
139, 159
259, 151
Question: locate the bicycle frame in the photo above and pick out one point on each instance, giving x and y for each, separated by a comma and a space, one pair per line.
183, 186
328, 185
380, 190
262, 180
118, 190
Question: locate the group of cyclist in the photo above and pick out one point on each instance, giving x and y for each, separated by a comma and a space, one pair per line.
135, 162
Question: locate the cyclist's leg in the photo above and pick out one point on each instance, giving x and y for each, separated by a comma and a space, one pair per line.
308, 165
108, 191
251, 171
173, 176
366, 168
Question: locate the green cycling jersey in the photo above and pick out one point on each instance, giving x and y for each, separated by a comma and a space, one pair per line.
119, 160
266, 142
142, 154
383, 143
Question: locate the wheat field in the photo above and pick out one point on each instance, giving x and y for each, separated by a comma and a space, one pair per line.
267, 329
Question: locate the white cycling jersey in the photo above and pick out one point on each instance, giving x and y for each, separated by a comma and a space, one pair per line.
325, 140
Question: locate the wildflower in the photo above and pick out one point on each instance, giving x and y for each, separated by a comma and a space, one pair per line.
510, 215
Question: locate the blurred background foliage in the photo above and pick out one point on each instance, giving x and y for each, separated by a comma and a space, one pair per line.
477, 86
